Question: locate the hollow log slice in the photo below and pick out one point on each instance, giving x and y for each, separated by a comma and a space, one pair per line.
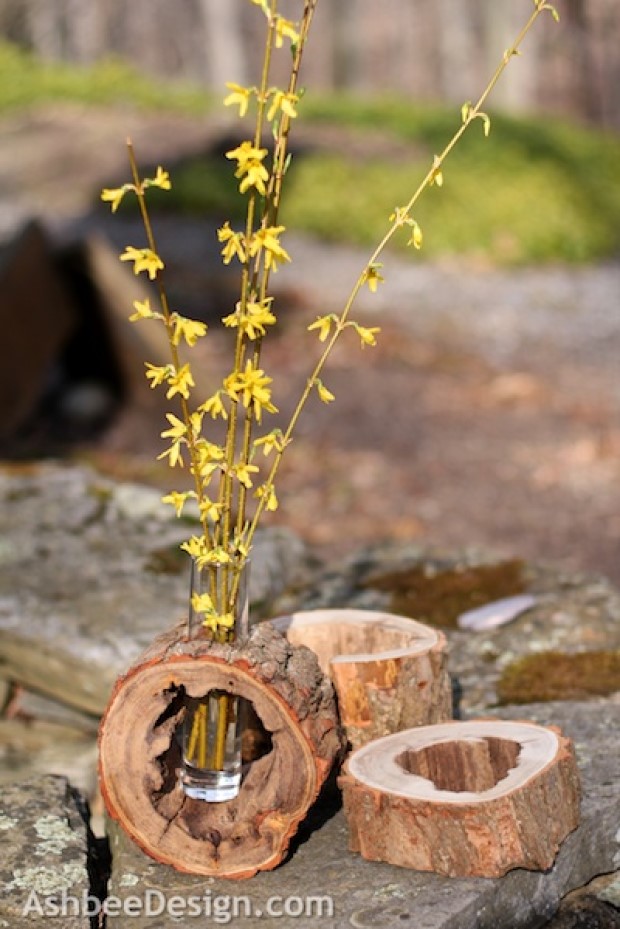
139, 754
463, 798
390, 672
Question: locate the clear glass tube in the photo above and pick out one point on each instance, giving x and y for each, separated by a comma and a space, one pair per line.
213, 724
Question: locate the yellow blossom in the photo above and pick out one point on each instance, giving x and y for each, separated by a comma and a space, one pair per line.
143, 310
180, 382
373, 277
367, 335
202, 603
243, 473
158, 374
436, 174
210, 509
177, 428
415, 238
285, 102
325, 394
216, 621
189, 329
161, 179
239, 96
324, 325
250, 167
267, 493
234, 244
177, 500
214, 406
273, 440
285, 29
114, 195
144, 259
173, 454
195, 546
267, 239
257, 315
250, 386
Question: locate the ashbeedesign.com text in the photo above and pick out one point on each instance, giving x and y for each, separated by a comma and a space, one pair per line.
219, 908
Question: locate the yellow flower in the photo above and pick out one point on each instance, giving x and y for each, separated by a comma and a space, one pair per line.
285, 102
436, 175
202, 603
239, 96
161, 179
143, 311
250, 167
253, 321
173, 454
156, 374
180, 382
234, 244
266, 492
268, 240
285, 29
114, 195
372, 277
243, 473
177, 430
415, 238
273, 440
195, 546
210, 509
324, 325
250, 386
214, 406
177, 500
189, 329
367, 335
144, 259
325, 394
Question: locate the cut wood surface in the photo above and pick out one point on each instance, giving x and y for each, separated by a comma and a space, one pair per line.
390, 672
139, 755
463, 798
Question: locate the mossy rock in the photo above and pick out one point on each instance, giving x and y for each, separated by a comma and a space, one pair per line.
555, 675
439, 595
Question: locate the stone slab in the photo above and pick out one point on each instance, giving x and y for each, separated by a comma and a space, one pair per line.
45, 844
90, 573
323, 873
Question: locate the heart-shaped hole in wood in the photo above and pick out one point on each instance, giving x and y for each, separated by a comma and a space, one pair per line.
473, 764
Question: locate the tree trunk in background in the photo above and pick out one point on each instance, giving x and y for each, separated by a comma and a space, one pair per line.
420, 49
459, 41
223, 45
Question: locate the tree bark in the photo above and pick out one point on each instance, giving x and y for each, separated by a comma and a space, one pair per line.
139, 755
463, 798
390, 673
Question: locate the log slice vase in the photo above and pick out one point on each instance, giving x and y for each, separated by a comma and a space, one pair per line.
463, 798
139, 752
390, 672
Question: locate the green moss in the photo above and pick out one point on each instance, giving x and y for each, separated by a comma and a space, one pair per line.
26, 80
554, 675
440, 596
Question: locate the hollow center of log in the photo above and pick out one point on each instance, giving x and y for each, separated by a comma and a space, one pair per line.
473, 765
327, 641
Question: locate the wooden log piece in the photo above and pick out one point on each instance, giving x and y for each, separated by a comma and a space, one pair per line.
463, 798
390, 672
139, 754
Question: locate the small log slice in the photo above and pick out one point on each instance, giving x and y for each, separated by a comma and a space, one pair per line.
390, 672
139, 754
463, 798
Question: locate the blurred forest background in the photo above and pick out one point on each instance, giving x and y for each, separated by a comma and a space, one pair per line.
427, 50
